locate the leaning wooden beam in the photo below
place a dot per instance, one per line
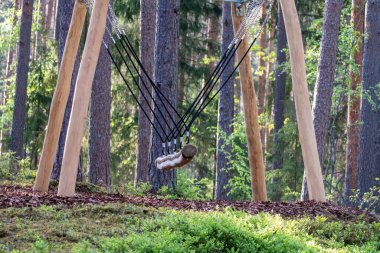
(81, 99)
(60, 97)
(178, 159)
(255, 152)
(303, 108)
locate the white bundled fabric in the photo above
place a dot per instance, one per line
(177, 160)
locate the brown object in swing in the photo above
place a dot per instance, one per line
(177, 160)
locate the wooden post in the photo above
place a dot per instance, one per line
(60, 97)
(81, 99)
(255, 152)
(303, 108)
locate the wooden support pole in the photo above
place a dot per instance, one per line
(60, 97)
(81, 99)
(177, 160)
(255, 152)
(303, 108)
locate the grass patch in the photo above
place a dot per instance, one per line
(128, 228)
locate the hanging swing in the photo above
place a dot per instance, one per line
(176, 150)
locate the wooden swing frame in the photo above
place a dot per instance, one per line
(83, 90)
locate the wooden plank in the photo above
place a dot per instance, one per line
(81, 99)
(303, 108)
(60, 97)
(178, 159)
(255, 152)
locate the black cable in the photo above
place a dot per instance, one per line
(221, 66)
(129, 45)
(215, 80)
(134, 96)
(142, 93)
(146, 88)
(222, 86)
(205, 87)
(157, 90)
(198, 105)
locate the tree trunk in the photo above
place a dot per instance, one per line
(166, 76)
(99, 161)
(39, 44)
(268, 88)
(225, 111)
(49, 15)
(213, 32)
(262, 70)
(353, 126)
(181, 89)
(369, 156)
(4, 98)
(17, 135)
(65, 10)
(8, 74)
(325, 78)
(57, 20)
(148, 34)
(279, 92)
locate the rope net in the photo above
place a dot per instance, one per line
(176, 128)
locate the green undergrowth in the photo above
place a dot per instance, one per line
(128, 228)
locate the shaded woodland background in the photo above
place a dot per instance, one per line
(342, 42)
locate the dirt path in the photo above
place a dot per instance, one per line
(16, 196)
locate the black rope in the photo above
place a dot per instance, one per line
(157, 90)
(126, 40)
(212, 83)
(146, 88)
(205, 87)
(222, 86)
(134, 96)
(199, 104)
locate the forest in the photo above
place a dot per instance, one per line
(189, 126)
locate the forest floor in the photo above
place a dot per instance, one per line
(21, 196)
(102, 222)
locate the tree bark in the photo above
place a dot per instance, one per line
(39, 44)
(279, 93)
(49, 15)
(213, 33)
(57, 19)
(148, 34)
(353, 126)
(166, 76)
(99, 160)
(65, 10)
(268, 88)
(17, 135)
(325, 78)
(262, 65)
(8, 74)
(181, 89)
(225, 111)
(369, 156)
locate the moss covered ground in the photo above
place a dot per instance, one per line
(129, 228)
